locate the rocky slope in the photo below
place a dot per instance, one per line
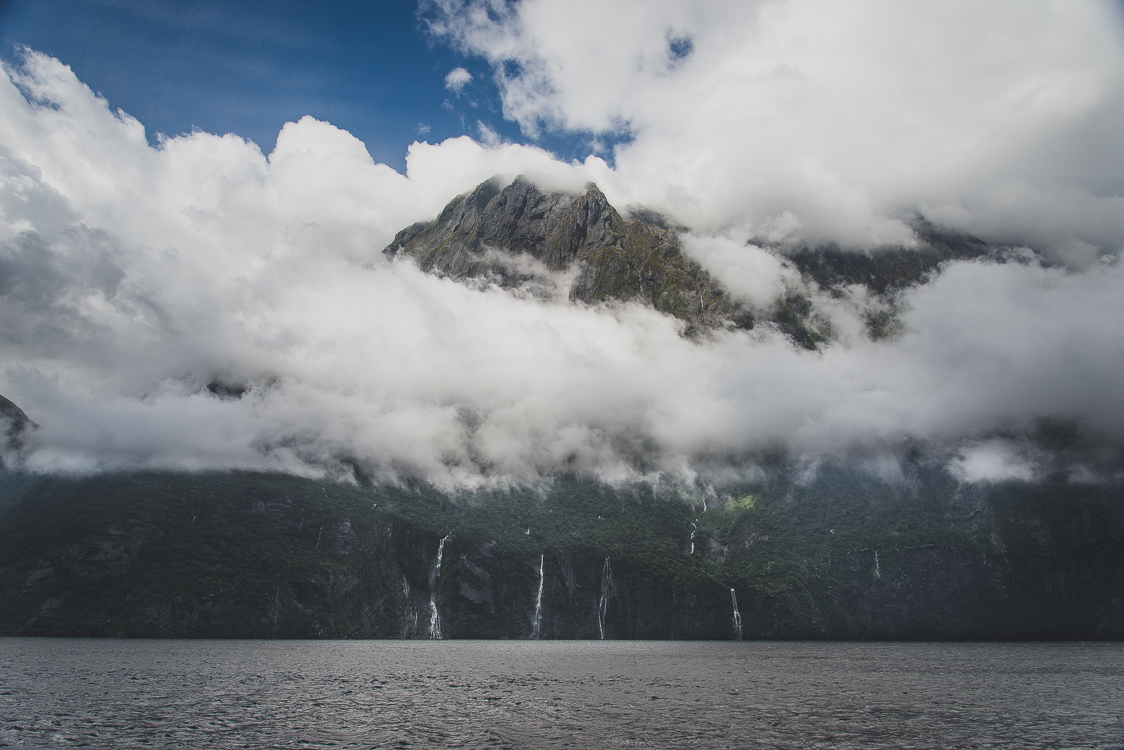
(525, 239)
(518, 235)
(14, 425)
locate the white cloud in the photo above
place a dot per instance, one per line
(993, 461)
(457, 79)
(131, 276)
(749, 272)
(837, 118)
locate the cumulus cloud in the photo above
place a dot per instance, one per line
(457, 79)
(133, 277)
(815, 121)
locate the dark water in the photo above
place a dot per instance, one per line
(395, 694)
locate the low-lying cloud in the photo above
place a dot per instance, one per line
(132, 278)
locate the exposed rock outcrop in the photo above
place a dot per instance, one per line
(550, 243)
(517, 235)
(14, 425)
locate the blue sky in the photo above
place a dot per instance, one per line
(248, 67)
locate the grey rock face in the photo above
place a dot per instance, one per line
(516, 235)
(14, 425)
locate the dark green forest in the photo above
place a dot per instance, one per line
(840, 554)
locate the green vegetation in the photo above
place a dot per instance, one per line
(835, 553)
(794, 316)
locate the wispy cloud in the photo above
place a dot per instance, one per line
(457, 79)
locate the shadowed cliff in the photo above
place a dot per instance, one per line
(843, 555)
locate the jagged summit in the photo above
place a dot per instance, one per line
(515, 236)
(480, 233)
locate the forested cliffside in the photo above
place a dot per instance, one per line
(841, 555)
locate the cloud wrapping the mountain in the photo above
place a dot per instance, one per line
(813, 120)
(131, 277)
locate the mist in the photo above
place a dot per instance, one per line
(201, 305)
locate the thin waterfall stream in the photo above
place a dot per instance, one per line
(603, 605)
(536, 626)
(737, 615)
(434, 574)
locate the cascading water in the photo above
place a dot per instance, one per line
(411, 608)
(737, 615)
(536, 626)
(603, 605)
(691, 539)
(877, 570)
(434, 574)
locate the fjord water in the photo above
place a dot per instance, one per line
(558, 694)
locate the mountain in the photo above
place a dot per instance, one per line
(518, 236)
(842, 555)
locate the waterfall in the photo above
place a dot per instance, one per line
(877, 570)
(737, 615)
(434, 574)
(692, 539)
(603, 605)
(411, 610)
(536, 627)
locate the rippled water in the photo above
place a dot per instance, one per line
(494, 694)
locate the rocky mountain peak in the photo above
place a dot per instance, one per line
(478, 235)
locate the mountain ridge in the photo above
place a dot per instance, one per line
(489, 233)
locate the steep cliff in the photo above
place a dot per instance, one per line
(843, 555)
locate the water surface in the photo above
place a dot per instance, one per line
(558, 694)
